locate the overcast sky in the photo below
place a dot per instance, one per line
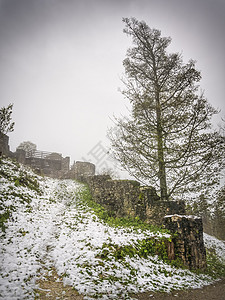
(61, 63)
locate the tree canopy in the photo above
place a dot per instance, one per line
(27, 146)
(167, 141)
(6, 124)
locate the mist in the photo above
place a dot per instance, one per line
(61, 64)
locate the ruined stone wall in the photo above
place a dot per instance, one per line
(48, 167)
(4, 145)
(124, 198)
(119, 197)
(81, 170)
(20, 155)
(65, 164)
(188, 243)
(52, 165)
(127, 198)
(214, 225)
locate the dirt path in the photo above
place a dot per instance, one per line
(52, 288)
(215, 291)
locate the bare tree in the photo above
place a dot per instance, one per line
(167, 141)
(27, 146)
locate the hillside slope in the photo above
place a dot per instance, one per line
(45, 224)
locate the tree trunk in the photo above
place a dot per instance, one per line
(162, 169)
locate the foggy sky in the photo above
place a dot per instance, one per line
(61, 63)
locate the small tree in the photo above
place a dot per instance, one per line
(27, 146)
(6, 125)
(167, 141)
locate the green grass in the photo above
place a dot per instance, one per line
(215, 268)
(109, 217)
(23, 179)
(146, 247)
(17, 178)
(142, 248)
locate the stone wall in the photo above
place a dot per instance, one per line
(65, 167)
(4, 145)
(188, 243)
(214, 225)
(127, 198)
(123, 198)
(48, 167)
(81, 170)
(20, 155)
(51, 164)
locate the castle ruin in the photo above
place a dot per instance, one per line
(50, 164)
(124, 198)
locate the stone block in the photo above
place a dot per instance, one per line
(188, 242)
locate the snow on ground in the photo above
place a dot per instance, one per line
(50, 226)
(217, 245)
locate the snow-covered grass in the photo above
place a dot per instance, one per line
(45, 223)
(216, 245)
